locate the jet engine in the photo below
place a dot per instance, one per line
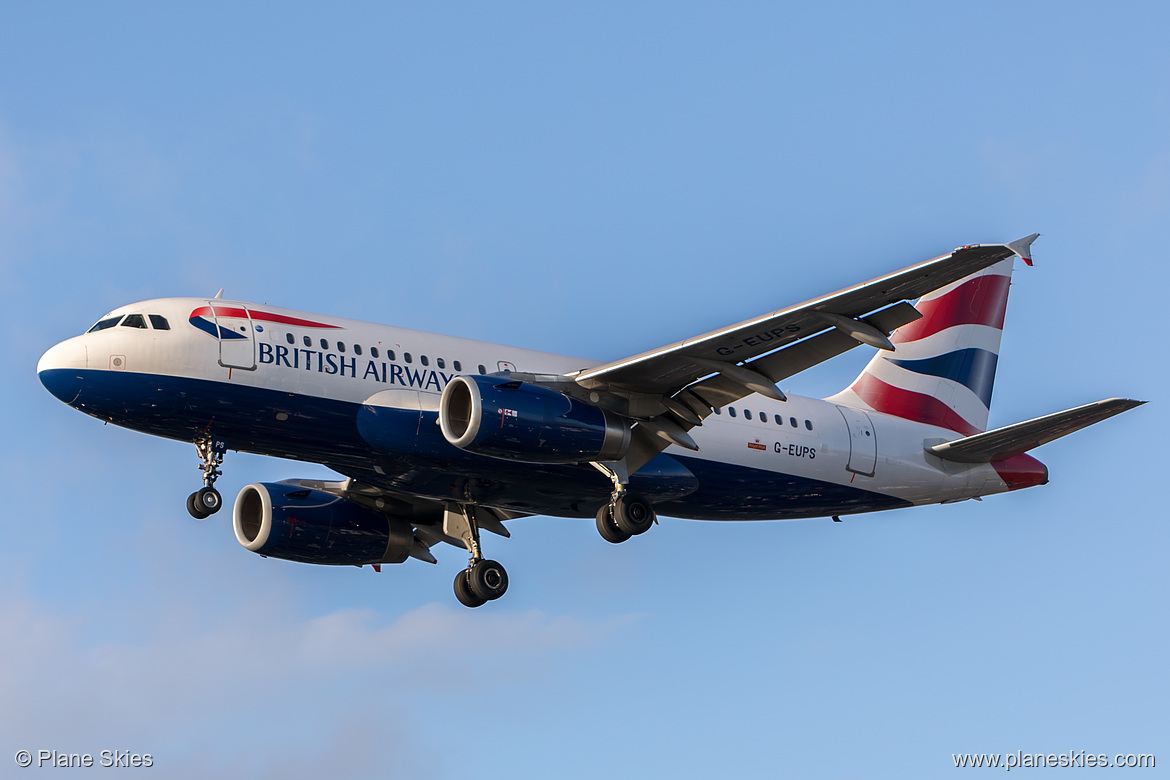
(296, 524)
(514, 420)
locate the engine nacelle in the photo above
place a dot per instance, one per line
(311, 526)
(517, 421)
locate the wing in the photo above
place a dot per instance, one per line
(669, 369)
(665, 390)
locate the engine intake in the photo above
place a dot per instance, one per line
(518, 421)
(285, 521)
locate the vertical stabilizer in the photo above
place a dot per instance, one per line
(943, 366)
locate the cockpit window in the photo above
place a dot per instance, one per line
(109, 322)
(134, 321)
(159, 322)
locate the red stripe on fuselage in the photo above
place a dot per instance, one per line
(262, 316)
(908, 405)
(980, 301)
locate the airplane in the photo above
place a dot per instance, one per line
(440, 437)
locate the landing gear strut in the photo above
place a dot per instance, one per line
(483, 580)
(627, 513)
(207, 501)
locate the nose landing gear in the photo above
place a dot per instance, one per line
(207, 501)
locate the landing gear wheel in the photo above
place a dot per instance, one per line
(488, 580)
(606, 527)
(633, 514)
(207, 500)
(193, 508)
(463, 591)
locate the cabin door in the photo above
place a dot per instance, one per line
(237, 336)
(862, 441)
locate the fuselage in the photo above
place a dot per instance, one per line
(362, 398)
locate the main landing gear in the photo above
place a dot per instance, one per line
(627, 513)
(207, 501)
(483, 580)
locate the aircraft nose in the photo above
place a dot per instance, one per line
(60, 369)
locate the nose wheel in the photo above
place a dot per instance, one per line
(207, 501)
(204, 502)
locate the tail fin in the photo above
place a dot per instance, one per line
(943, 366)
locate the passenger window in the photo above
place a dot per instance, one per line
(793, 421)
(324, 344)
(718, 410)
(341, 346)
(439, 362)
(357, 349)
(423, 359)
(808, 424)
(406, 356)
(779, 419)
(373, 352)
(482, 370)
(290, 338)
(159, 322)
(390, 354)
(747, 414)
(457, 366)
(308, 341)
(106, 323)
(134, 321)
(763, 417)
(731, 410)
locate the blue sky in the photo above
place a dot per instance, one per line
(595, 180)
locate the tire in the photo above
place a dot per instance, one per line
(208, 500)
(463, 591)
(605, 526)
(633, 514)
(488, 580)
(193, 508)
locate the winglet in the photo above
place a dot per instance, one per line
(1023, 247)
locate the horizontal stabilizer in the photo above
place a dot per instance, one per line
(1011, 440)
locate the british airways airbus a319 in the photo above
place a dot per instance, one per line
(439, 437)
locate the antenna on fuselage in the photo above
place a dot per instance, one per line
(220, 293)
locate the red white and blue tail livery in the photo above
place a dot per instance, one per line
(943, 367)
(439, 437)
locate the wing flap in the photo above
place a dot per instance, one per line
(1012, 440)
